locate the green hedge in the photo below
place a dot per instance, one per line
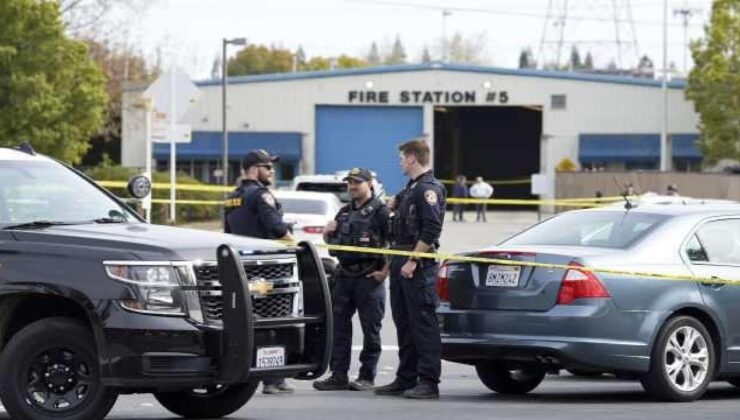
(160, 214)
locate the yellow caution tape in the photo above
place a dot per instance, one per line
(166, 186)
(501, 202)
(504, 202)
(464, 258)
(493, 181)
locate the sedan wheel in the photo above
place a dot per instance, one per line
(682, 362)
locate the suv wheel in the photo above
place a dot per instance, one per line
(49, 369)
(504, 379)
(682, 361)
(210, 402)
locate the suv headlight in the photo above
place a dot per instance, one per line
(161, 288)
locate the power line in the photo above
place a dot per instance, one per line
(504, 12)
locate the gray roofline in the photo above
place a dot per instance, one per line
(437, 66)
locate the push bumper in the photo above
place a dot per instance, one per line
(152, 352)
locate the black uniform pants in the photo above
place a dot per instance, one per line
(413, 304)
(367, 297)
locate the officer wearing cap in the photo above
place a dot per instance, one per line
(416, 226)
(251, 210)
(358, 282)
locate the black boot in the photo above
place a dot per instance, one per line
(336, 382)
(394, 388)
(361, 384)
(423, 391)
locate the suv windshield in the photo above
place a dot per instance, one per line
(50, 193)
(595, 229)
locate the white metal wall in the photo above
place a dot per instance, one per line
(288, 105)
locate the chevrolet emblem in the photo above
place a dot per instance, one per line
(260, 287)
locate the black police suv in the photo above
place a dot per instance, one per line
(95, 303)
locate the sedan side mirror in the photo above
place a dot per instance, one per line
(139, 186)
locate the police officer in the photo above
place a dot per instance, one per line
(251, 210)
(358, 282)
(416, 226)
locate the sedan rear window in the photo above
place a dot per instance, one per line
(293, 205)
(596, 229)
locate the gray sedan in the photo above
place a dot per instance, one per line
(516, 322)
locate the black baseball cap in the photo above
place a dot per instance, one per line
(257, 156)
(359, 174)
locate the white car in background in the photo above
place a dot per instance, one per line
(308, 213)
(333, 183)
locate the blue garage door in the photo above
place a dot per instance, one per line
(349, 136)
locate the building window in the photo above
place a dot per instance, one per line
(558, 102)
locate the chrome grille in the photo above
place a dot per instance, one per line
(273, 305)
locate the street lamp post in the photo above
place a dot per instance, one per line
(224, 75)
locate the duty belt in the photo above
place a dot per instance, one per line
(357, 269)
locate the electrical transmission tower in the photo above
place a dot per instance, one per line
(604, 28)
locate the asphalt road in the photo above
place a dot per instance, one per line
(463, 396)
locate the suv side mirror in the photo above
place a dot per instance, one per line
(139, 186)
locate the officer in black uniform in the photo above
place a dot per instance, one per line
(359, 282)
(251, 210)
(416, 226)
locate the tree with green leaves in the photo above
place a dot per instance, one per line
(397, 54)
(52, 93)
(526, 59)
(373, 56)
(575, 59)
(260, 59)
(120, 65)
(426, 57)
(714, 83)
(588, 62)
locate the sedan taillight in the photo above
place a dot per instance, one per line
(313, 229)
(580, 284)
(443, 290)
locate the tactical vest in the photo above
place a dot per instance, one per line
(240, 212)
(405, 224)
(354, 228)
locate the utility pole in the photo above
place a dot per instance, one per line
(665, 149)
(686, 14)
(225, 130)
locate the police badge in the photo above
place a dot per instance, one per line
(431, 197)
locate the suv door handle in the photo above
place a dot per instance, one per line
(715, 285)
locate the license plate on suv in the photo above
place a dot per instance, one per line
(503, 276)
(270, 357)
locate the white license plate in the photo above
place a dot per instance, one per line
(503, 276)
(270, 357)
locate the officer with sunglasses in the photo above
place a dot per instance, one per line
(251, 210)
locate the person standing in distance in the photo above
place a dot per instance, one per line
(459, 190)
(481, 190)
(358, 282)
(251, 210)
(416, 226)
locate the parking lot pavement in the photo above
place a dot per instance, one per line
(462, 394)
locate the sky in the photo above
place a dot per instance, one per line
(189, 32)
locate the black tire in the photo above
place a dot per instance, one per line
(657, 381)
(504, 379)
(211, 402)
(65, 350)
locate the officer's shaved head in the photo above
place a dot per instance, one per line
(419, 148)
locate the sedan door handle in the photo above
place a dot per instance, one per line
(715, 284)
